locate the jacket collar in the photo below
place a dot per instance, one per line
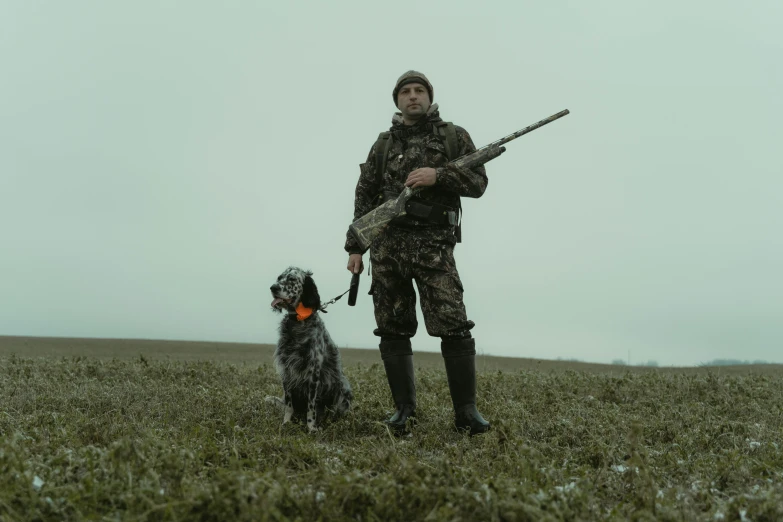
(432, 116)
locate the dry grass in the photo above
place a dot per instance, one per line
(251, 353)
(143, 438)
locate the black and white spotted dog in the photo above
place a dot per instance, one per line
(306, 358)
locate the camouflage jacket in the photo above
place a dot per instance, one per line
(417, 146)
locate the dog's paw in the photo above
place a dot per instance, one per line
(277, 401)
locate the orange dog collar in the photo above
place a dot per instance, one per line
(302, 312)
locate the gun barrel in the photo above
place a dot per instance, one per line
(530, 128)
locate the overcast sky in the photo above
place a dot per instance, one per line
(162, 162)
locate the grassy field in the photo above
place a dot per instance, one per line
(248, 353)
(129, 430)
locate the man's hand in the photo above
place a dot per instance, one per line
(355, 265)
(421, 178)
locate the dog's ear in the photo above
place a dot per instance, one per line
(310, 297)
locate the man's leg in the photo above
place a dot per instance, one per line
(397, 358)
(444, 313)
(459, 355)
(395, 315)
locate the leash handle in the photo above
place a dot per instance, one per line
(353, 291)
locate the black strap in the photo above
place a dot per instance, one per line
(448, 134)
(382, 146)
(323, 306)
(431, 212)
(446, 131)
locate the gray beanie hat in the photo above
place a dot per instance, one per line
(412, 77)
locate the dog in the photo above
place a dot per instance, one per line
(306, 358)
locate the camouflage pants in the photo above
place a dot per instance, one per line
(401, 256)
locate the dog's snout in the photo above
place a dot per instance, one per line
(275, 287)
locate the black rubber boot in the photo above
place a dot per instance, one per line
(398, 362)
(460, 359)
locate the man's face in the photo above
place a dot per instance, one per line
(413, 100)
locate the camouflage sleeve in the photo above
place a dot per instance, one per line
(367, 190)
(464, 182)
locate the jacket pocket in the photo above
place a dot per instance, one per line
(435, 150)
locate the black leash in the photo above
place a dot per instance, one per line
(324, 305)
(354, 289)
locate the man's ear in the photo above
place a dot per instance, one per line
(310, 297)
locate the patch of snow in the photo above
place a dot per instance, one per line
(568, 487)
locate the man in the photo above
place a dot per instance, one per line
(420, 248)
